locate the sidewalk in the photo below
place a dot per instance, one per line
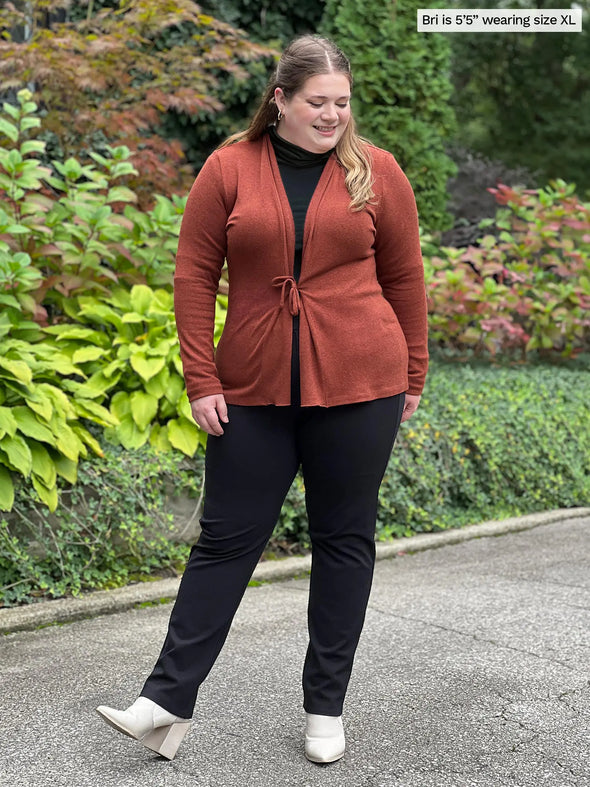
(473, 671)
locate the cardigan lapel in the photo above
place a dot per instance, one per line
(314, 206)
(285, 207)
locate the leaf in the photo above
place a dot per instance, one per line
(184, 407)
(130, 435)
(183, 435)
(8, 129)
(157, 386)
(162, 303)
(174, 389)
(85, 354)
(97, 385)
(178, 364)
(73, 332)
(32, 146)
(41, 404)
(6, 490)
(146, 368)
(159, 438)
(17, 369)
(114, 366)
(43, 464)
(9, 300)
(161, 347)
(61, 401)
(86, 408)
(47, 496)
(133, 317)
(144, 407)
(8, 421)
(66, 468)
(66, 440)
(141, 298)
(18, 453)
(94, 310)
(86, 439)
(120, 405)
(29, 425)
(121, 194)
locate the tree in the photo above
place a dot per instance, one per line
(401, 91)
(275, 21)
(524, 98)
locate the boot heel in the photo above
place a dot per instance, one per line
(166, 740)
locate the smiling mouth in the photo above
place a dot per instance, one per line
(325, 128)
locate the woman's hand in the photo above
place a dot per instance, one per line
(208, 411)
(410, 407)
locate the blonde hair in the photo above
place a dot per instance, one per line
(305, 57)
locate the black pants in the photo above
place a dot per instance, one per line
(343, 452)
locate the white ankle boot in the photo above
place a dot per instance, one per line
(324, 738)
(147, 722)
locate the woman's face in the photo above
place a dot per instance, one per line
(315, 117)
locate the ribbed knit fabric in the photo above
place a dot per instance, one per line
(360, 296)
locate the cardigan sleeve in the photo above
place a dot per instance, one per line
(400, 269)
(199, 260)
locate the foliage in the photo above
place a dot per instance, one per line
(269, 20)
(118, 366)
(70, 228)
(202, 132)
(109, 356)
(527, 289)
(401, 92)
(470, 199)
(42, 434)
(486, 442)
(525, 99)
(274, 23)
(110, 78)
(111, 528)
(128, 346)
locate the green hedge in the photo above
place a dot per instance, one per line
(111, 528)
(487, 442)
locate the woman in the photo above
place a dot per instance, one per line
(324, 352)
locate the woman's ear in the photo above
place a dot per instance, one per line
(280, 99)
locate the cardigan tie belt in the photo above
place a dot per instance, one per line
(289, 292)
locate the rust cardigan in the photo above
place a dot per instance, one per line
(360, 296)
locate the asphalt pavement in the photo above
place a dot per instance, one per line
(473, 671)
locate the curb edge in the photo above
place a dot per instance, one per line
(105, 602)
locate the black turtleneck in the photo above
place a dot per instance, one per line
(300, 172)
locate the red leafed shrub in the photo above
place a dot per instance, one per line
(111, 78)
(525, 288)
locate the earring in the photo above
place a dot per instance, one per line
(280, 116)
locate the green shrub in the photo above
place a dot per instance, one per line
(486, 442)
(111, 355)
(42, 435)
(82, 234)
(109, 529)
(127, 345)
(118, 366)
(401, 92)
(268, 20)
